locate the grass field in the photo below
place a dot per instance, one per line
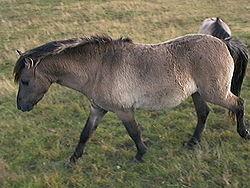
(35, 145)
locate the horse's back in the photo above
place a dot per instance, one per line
(163, 75)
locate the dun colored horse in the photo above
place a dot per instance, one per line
(121, 76)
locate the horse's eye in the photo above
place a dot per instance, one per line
(25, 82)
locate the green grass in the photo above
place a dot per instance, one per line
(35, 145)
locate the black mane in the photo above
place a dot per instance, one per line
(55, 47)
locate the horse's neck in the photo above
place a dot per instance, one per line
(74, 73)
(75, 82)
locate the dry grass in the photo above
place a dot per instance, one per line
(35, 145)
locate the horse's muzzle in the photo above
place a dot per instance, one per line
(25, 107)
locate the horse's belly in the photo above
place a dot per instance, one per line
(165, 98)
(158, 103)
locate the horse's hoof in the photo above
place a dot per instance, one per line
(137, 160)
(69, 164)
(192, 143)
(244, 133)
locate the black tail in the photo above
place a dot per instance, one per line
(239, 52)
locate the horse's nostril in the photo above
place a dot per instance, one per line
(26, 107)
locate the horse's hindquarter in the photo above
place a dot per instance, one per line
(212, 68)
(192, 63)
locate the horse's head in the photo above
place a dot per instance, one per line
(215, 27)
(32, 83)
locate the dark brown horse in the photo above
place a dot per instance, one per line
(121, 76)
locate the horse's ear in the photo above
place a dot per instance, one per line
(29, 63)
(217, 19)
(19, 52)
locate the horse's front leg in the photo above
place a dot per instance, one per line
(134, 132)
(95, 116)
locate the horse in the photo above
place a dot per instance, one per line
(215, 27)
(120, 76)
(218, 28)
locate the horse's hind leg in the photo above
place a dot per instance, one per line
(241, 127)
(95, 116)
(236, 105)
(134, 132)
(202, 111)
